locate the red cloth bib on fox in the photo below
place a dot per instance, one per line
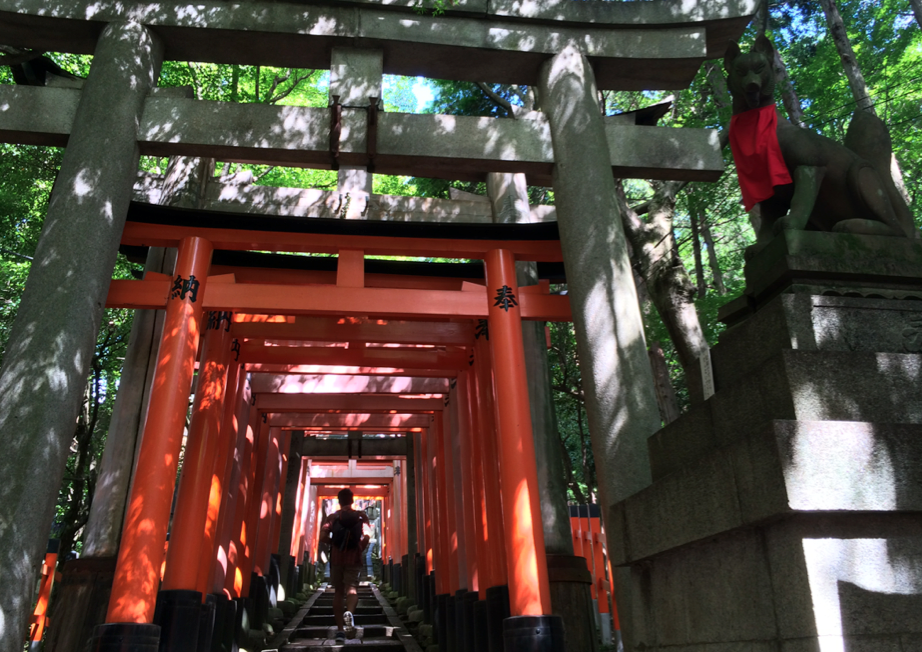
(759, 164)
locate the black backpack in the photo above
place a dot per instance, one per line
(346, 531)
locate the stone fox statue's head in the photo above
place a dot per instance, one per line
(750, 76)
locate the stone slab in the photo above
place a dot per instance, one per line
(832, 264)
(452, 147)
(628, 41)
(784, 468)
(794, 384)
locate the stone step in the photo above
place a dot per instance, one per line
(325, 610)
(315, 632)
(332, 646)
(360, 620)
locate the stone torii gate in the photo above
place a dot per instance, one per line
(119, 114)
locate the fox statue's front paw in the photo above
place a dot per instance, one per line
(790, 222)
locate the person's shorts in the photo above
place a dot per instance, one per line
(345, 576)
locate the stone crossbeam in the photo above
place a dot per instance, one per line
(450, 147)
(635, 46)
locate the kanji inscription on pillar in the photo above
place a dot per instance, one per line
(183, 286)
(505, 298)
(218, 317)
(482, 329)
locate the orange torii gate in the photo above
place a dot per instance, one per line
(292, 322)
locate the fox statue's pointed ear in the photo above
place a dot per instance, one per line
(733, 51)
(764, 46)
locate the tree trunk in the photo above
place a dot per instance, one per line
(856, 79)
(847, 54)
(696, 248)
(665, 394)
(917, 10)
(788, 94)
(666, 278)
(712, 258)
(718, 85)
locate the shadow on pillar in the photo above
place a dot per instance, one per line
(80, 603)
(571, 599)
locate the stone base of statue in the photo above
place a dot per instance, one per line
(786, 509)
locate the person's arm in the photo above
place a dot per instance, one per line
(366, 539)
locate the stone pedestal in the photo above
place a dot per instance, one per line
(785, 510)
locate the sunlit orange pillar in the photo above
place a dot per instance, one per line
(40, 613)
(426, 499)
(221, 472)
(529, 592)
(235, 411)
(187, 541)
(268, 500)
(494, 567)
(440, 517)
(276, 532)
(478, 504)
(137, 573)
(236, 579)
(254, 496)
(451, 513)
(472, 534)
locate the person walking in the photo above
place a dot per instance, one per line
(344, 531)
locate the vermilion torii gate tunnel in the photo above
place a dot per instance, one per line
(496, 308)
(566, 51)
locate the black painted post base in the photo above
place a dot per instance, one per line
(179, 614)
(125, 637)
(225, 615)
(481, 636)
(206, 622)
(441, 620)
(533, 634)
(469, 627)
(460, 632)
(259, 594)
(448, 642)
(430, 583)
(497, 612)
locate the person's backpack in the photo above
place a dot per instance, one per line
(346, 532)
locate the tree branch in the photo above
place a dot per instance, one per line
(499, 101)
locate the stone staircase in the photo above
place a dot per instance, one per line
(377, 627)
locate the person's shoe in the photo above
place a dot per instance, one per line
(340, 636)
(349, 624)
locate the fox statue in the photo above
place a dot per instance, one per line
(825, 186)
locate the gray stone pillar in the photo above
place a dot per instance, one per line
(355, 76)
(54, 335)
(617, 378)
